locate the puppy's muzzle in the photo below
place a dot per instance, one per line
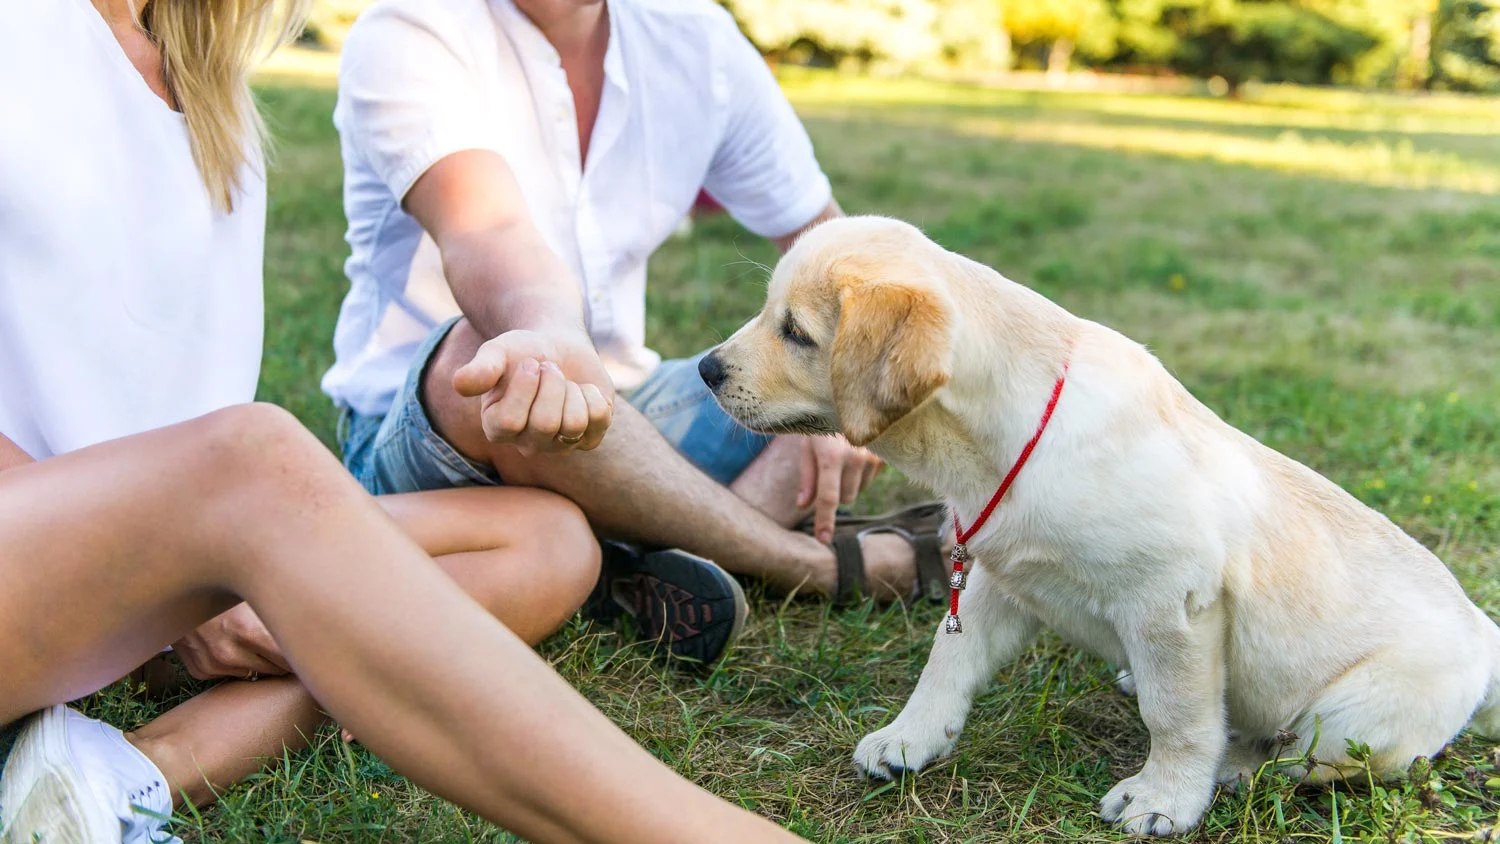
(712, 371)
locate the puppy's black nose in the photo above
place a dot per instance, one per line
(712, 371)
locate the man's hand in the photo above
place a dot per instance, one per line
(233, 644)
(542, 393)
(833, 473)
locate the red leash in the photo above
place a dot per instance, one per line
(960, 555)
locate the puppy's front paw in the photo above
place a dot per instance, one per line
(902, 747)
(1143, 807)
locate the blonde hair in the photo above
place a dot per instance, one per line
(208, 48)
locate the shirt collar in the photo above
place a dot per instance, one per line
(614, 60)
(528, 38)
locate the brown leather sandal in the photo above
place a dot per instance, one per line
(921, 525)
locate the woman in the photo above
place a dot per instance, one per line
(131, 215)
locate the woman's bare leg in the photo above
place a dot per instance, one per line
(110, 553)
(527, 556)
(214, 740)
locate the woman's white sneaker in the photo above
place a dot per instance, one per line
(74, 780)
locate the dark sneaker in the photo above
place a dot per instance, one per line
(677, 599)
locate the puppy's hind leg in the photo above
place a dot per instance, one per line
(1400, 704)
(1243, 758)
(1486, 721)
(995, 632)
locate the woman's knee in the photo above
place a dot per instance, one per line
(532, 560)
(252, 433)
(262, 453)
(559, 539)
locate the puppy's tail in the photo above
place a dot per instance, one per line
(1486, 720)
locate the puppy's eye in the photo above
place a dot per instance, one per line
(793, 332)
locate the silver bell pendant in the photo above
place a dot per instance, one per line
(951, 624)
(960, 574)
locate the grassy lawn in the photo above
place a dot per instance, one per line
(1323, 269)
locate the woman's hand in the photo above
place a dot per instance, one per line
(234, 644)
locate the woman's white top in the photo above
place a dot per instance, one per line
(127, 301)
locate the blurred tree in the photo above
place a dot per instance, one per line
(840, 31)
(1058, 26)
(1273, 42)
(1465, 52)
(1418, 70)
(973, 34)
(900, 33)
(329, 21)
(1440, 44)
(1309, 42)
(1392, 26)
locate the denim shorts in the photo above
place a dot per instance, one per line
(8, 734)
(400, 452)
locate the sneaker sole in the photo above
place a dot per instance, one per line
(685, 602)
(43, 797)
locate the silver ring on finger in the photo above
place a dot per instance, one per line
(569, 440)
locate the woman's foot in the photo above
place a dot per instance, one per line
(71, 778)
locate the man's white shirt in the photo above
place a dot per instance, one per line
(687, 103)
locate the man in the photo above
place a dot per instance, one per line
(515, 163)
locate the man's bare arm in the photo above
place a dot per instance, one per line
(11, 454)
(503, 274)
(830, 211)
(515, 290)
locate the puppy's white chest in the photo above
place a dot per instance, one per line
(1074, 607)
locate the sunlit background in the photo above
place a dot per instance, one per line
(1385, 44)
(1296, 205)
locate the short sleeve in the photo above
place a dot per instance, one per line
(764, 171)
(407, 92)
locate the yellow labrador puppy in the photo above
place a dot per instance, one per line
(1245, 594)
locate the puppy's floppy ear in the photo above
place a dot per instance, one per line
(893, 349)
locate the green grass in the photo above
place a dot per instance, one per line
(1321, 268)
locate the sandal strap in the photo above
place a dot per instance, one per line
(851, 568)
(914, 517)
(932, 574)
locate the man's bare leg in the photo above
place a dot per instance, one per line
(246, 504)
(768, 484)
(635, 486)
(528, 557)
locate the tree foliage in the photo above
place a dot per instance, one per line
(1451, 44)
(1466, 45)
(1240, 40)
(905, 33)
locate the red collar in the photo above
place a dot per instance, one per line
(960, 555)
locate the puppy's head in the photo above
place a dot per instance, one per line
(856, 334)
